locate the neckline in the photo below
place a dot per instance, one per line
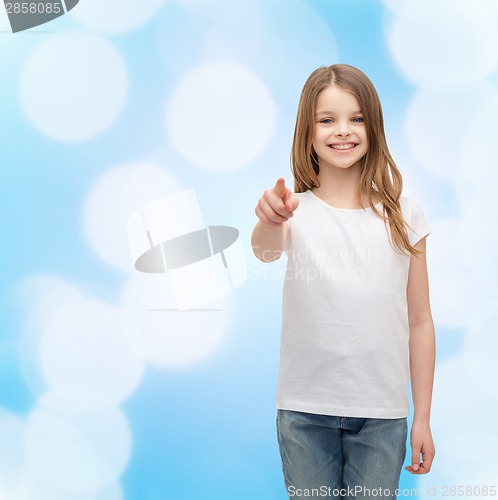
(377, 205)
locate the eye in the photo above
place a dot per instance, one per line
(326, 120)
(358, 119)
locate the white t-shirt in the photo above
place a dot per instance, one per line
(344, 345)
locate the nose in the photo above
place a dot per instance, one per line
(343, 129)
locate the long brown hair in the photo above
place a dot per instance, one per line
(380, 177)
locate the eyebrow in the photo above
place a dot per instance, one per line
(332, 112)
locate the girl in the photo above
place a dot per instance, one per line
(356, 320)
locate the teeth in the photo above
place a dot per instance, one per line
(342, 146)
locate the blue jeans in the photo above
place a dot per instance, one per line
(340, 457)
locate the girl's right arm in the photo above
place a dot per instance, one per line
(274, 208)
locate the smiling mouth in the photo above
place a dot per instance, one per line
(343, 147)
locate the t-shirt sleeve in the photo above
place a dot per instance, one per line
(418, 225)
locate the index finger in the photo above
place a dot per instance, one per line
(280, 188)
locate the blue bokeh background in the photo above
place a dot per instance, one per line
(203, 426)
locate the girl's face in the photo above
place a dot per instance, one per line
(340, 139)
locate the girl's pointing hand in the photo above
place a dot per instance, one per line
(277, 204)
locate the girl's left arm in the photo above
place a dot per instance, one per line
(422, 361)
